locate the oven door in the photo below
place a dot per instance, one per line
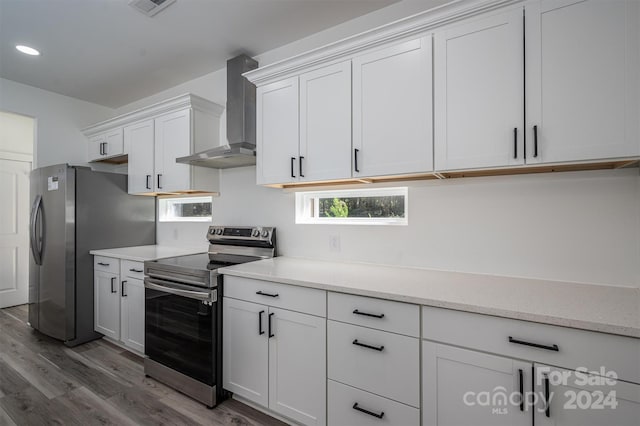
(180, 327)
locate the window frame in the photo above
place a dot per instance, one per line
(163, 217)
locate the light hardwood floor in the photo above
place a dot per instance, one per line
(42, 382)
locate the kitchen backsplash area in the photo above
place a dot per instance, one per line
(577, 226)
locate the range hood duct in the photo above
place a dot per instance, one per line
(241, 122)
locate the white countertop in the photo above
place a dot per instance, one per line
(606, 309)
(144, 253)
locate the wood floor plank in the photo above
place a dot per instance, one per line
(142, 409)
(5, 420)
(30, 407)
(10, 380)
(89, 409)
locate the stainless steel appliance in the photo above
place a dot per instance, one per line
(183, 313)
(76, 210)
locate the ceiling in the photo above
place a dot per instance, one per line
(106, 52)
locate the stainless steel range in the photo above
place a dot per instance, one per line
(183, 313)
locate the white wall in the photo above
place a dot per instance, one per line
(16, 134)
(58, 121)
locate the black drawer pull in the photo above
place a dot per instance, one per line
(113, 282)
(521, 380)
(135, 270)
(357, 312)
(547, 397)
(122, 293)
(103, 264)
(270, 333)
(260, 330)
(534, 345)
(371, 413)
(267, 294)
(364, 345)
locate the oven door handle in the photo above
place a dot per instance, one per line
(179, 280)
(198, 295)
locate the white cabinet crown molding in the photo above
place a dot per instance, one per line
(400, 29)
(186, 100)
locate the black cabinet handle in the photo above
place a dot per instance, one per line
(293, 159)
(103, 264)
(135, 270)
(364, 345)
(355, 160)
(261, 293)
(260, 330)
(371, 413)
(357, 312)
(520, 376)
(148, 182)
(515, 142)
(300, 166)
(270, 333)
(534, 345)
(547, 409)
(106, 145)
(122, 293)
(159, 186)
(113, 289)
(101, 148)
(535, 141)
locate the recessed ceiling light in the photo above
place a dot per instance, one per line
(27, 50)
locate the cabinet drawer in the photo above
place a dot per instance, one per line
(301, 299)
(106, 264)
(575, 348)
(133, 269)
(392, 372)
(381, 411)
(397, 317)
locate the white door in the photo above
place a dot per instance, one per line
(132, 313)
(139, 140)
(468, 388)
(114, 142)
(392, 104)
(172, 140)
(14, 232)
(325, 123)
(245, 350)
(297, 366)
(583, 75)
(584, 400)
(479, 93)
(96, 147)
(107, 304)
(277, 132)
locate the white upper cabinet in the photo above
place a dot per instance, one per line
(392, 110)
(582, 79)
(172, 140)
(277, 132)
(106, 145)
(140, 142)
(325, 123)
(479, 93)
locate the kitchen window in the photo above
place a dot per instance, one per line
(378, 206)
(185, 209)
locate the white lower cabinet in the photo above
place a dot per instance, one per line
(132, 313)
(275, 358)
(468, 388)
(106, 304)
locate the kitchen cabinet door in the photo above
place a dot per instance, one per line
(245, 350)
(132, 313)
(479, 93)
(392, 110)
(172, 140)
(114, 143)
(96, 147)
(462, 387)
(107, 304)
(140, 142)
(325, 123)
(297, 366)
(277, 132)
(583, 76)
(580, 400)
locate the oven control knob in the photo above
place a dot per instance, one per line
(255, 233)
(212, 231)
(265, 233)
(219, 231)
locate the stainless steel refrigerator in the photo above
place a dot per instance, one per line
(76, 210)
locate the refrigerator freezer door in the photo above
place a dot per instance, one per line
(34, 258)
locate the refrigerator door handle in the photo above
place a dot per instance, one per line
(35, 249)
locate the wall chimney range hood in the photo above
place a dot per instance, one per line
(241, 122)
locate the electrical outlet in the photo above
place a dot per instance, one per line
(334, 243)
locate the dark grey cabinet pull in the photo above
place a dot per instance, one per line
(270, 333)
(122, 293)
(515, 142)
(534, 345)
(103, 264)
(105, 148)
(364, 345)
(547, 409)
(293, 159)
(135, 270)
(101, 148)
(113, 281)
(260, 330)
(300, 166)
(521, 378)
(535, 141)
(371, 413)
(159, 186)
(355, 160)
(357, 312)
(261, 293)
(148, 182)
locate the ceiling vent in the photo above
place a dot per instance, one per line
(150, 7)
